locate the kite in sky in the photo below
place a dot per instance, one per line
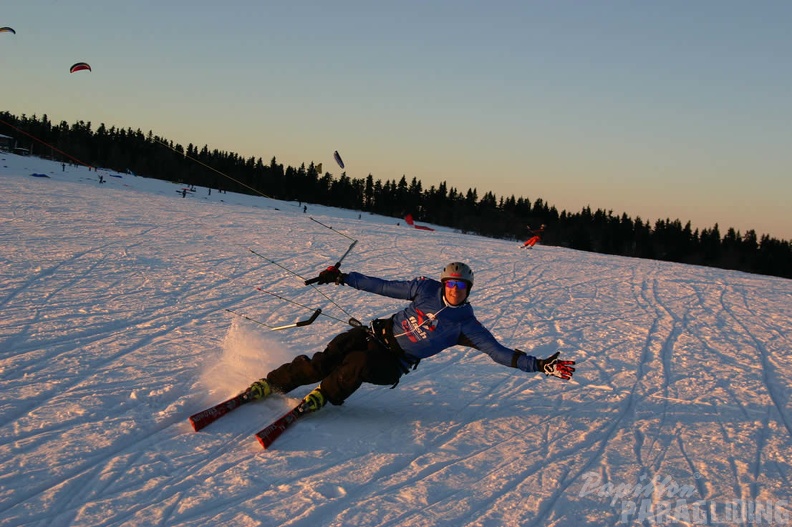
(80, 66)
(7, 30)
(338, 159)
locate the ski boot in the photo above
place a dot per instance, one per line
(313, 401)
(260, 389)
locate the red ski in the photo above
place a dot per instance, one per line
(269, 434)
(210, 415)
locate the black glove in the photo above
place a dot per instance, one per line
(332, 275)
(557, 368)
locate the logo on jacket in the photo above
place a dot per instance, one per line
(417, 325)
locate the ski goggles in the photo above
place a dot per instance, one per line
(458, 284)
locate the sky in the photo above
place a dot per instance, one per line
(660, 110)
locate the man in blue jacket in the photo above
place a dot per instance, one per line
(438, 317)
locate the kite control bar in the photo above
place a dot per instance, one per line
(337, 265)
(301, 323)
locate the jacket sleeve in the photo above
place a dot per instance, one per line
(401, 289)
(476, 336)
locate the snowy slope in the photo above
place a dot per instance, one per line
(113, 330)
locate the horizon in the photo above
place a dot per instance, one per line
(650, 221)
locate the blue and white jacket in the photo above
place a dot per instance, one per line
(428, 325)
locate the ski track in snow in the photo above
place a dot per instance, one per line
(114, 331)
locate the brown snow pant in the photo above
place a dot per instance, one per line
(349, 360)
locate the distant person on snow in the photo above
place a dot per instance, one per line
(438, 317)
(537, 236)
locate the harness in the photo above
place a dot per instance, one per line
(381, 330)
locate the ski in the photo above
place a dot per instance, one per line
(210, 415)
(268, 435)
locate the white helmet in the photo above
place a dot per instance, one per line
(457, 271)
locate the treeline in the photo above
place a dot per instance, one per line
(488, 215)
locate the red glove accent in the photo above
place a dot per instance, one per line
(330, 275)
(557, 368)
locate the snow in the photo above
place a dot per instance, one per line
(114, 330)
